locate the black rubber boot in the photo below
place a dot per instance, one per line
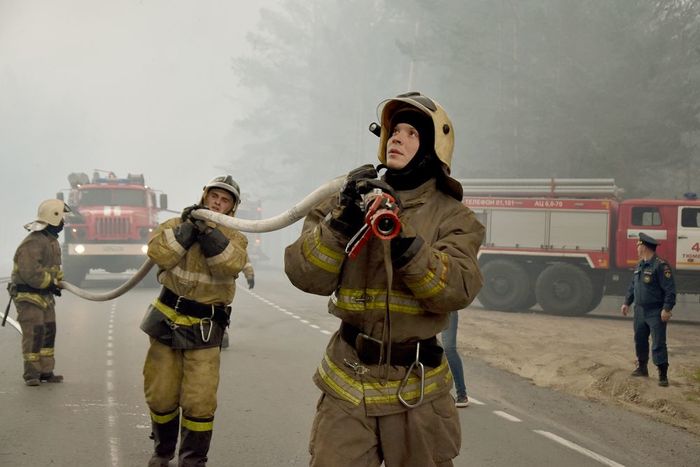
(164, 436)
(194, 446)
(663, 374)
(31, 375)
(51, 378)
(641, 369)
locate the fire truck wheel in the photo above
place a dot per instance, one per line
(506, 286)
(564, 289)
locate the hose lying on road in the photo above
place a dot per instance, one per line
(278, 222)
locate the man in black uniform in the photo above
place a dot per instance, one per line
(653, 291)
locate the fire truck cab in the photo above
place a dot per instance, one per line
(111, 222)
(564, 243)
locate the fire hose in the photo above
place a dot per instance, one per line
(381, 220)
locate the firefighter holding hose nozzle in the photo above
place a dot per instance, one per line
(396, 255)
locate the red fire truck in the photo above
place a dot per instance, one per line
(564, 243)
(110, 224)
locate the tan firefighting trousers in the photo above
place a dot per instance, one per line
(342, 435)
(182, 378)
(38, 338)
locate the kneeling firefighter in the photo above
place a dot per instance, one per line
(35, 273)
(384, 377)
(198, 264)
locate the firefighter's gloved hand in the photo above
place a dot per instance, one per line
(54, 289)
(187, 212)
(348, 217)
(251, 282)
(204, 227)
(186, 234)
(212, 242)
(405, 245)
(366, 186)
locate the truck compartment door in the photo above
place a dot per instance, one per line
(688, 238)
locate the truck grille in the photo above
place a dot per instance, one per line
(112, 227)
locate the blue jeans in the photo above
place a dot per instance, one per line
(449, 342)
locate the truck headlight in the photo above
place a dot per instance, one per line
(80, 249)
(144, 249)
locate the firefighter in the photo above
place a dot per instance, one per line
(653, 292)
(249, 274)
(384, 379)
(35, 275)
(198, 264)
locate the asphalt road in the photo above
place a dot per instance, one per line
(97, 417)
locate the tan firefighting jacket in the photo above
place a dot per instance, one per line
(442, 276)
(37, 263)
(188, 273)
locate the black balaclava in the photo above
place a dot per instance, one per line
(424, 164)
(54, 229)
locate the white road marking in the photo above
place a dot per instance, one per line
(112, 412)
(507, 416)
(475, 401)
(586, 452)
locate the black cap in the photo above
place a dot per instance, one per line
(648, 240)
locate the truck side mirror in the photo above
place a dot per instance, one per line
(163, 201)
(59, 195)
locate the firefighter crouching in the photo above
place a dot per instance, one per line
(198, 264)
(35, 273)
(384, 378)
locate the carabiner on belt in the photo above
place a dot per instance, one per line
(203, 321)
(421, 372)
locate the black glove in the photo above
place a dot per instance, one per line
(349, 193)
(187, 212)
(251, 282)
(54, 289)
(405, 245)
(186, 234)
(212, 243)
(348, 217)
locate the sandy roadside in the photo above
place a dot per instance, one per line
(589, 358)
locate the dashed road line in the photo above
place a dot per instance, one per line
(111, 406)
(507, 416)
(587, 452)
(475, 401)
(288, 313)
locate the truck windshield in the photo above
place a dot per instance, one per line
(101, 197)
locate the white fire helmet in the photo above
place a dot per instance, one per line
(227, 183)
(444, 141)
(50, 212)
(444, 132)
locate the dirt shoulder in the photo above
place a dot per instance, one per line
(590, 358)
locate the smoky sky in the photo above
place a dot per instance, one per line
(129, 86)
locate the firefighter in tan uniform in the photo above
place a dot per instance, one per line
(35, 274)
(385, 381)
(198, 264)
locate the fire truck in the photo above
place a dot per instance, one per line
(564, 243)
(110, 224)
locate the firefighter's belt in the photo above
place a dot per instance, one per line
(218, 313)
(24, 288)
(402, 354)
